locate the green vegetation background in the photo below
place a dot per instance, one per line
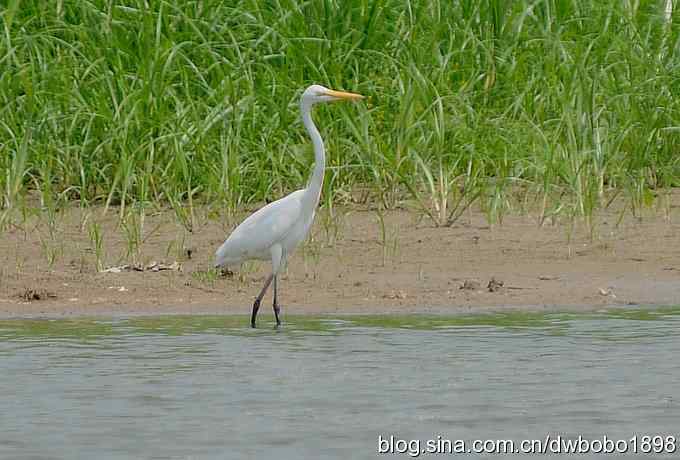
(564, 103)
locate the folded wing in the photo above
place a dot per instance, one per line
(254, 237)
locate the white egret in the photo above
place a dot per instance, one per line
(274, 231)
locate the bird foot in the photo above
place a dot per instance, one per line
(277, 315)
(253, 316)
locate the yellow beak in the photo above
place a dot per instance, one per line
(344, 95)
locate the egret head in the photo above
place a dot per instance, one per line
(317, 93)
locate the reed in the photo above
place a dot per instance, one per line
(181, 103)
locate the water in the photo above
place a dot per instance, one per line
(209, 387)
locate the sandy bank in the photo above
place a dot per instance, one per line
(348, 266)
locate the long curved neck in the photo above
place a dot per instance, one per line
(313, 191)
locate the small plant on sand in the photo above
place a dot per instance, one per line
(51, 249)
(311, 256)
(51, 242)
(330, 222)
(132, 229)
(94, 231)
(389, 241)
(207, 276)
(447, 195)
(177, 248)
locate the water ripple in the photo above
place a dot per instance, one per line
(209, 387)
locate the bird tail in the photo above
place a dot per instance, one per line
(222, 258)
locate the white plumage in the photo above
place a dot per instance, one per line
(278, 223)
(274, 231)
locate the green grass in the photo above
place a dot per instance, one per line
(566, 103)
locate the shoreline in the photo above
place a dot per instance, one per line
(354, 263)
(265, 318)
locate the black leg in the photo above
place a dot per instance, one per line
(256, 307)
(277, 308)
(256, 304)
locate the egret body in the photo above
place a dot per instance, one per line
(274, 231)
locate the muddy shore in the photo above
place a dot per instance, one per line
(350, 265)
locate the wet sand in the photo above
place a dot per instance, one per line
(348, 266)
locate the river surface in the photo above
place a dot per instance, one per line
(324, 387)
